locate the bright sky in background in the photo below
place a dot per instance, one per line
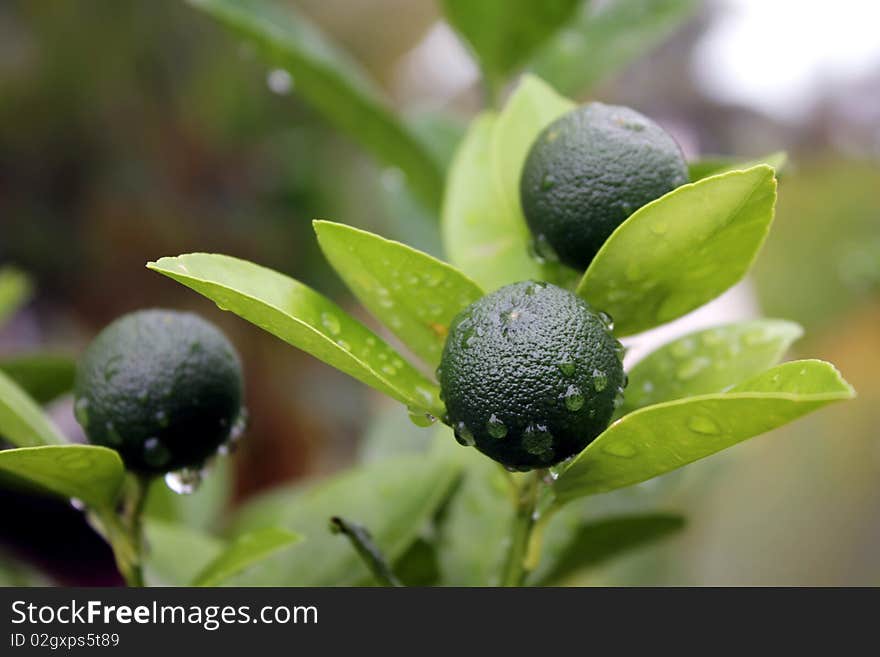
(776, 54)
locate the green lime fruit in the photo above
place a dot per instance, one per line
(588, 171)
(530, 375)
(163, 388)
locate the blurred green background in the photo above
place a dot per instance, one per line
(132, 130)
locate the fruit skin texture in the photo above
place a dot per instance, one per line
(589, 170)
(163, 388)
(530, 375)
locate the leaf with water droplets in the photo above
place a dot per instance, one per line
(412, 293)
(305, 319)
(244, 551)
(88, 473)
(656, 439)
(22, 421)
(394, 498)
(484, 230)
(711, 232)
(334, 84)
(708, 361)
(572, 544)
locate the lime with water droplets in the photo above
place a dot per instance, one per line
(588, 171)
(163, 388)
(529, 375)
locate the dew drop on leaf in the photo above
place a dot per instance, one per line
(704, 425)
(421, 418)
(331, 323)
(620, 449)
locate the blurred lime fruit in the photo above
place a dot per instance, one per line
(588, 171)
(530, 375)
(163, 388)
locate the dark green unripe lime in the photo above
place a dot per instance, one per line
(589, 170)
(163, 388)
(530, 375)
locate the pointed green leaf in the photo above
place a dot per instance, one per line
(708, 361)
(394, 498)
(88, 473)
(484, 231)
(682, 250)
(334, 84)
(476, 522)
(656, 439)
(243, 552)
(175, 553)
(571, 545)
(42, 376)
(412, 293)
(22, 421)
(300, 316)
(603, 38)
(712, 166)
(15, 288)
(503, 33)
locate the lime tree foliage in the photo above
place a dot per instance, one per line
(510, 345)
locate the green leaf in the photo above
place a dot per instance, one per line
(503, 33)
(15, 572)
(42, 376)
(475, 525)
(243, 552)
(412, 293)
(708, 361)
(175, 554)
(22, 421)
(85, 472)
(657, 439)
(604, 38)
(484, 231)
(15, 289)
(571, 545)
(714, 165)
(394, 498)
(334, 84)
(682, 250)
(300, 316)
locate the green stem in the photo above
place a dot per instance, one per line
(124, 530)
(367, 549)
(515, 565)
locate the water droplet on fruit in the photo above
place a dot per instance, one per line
(607, 320)
(161, 418)
(495, 427)
(236, 433)
(704, 425)
(566, 366)
(185, 481)
(574, 398)
(542, 250)
(331, 323)
(600, 380)
(537, 440)
(463, 435)
(421, 418)
(156, 454)
(620, 449)
(548, 182)
(113, 436)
